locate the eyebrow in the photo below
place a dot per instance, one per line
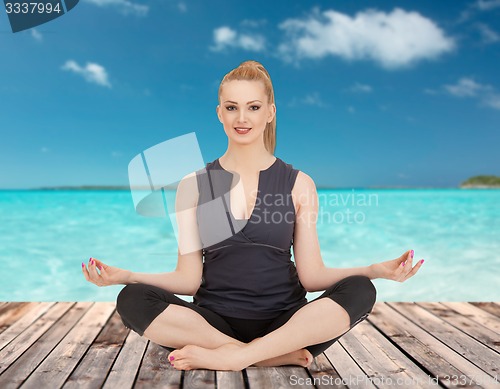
(234, 102)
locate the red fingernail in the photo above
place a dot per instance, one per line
(100, 267)
(83, 265)
(402, 264)
(422, 261)
(412, 254)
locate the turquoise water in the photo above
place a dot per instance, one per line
(45, 235)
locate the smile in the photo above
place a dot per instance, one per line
(242, 130)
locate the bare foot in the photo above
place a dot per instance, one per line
(300, 357)
(192, 357)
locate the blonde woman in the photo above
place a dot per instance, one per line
(249, 306)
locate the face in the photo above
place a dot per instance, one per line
(244, 110)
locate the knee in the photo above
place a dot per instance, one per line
(365, 291)
(129, 299)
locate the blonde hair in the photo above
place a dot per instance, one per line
(255, 71)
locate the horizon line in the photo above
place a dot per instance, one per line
(122, 187)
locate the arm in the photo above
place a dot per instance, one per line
(313, 273)
(186, 278)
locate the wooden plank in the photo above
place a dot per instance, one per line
(435, 356)
(14, 312)
(59, 364)
(26, 363)
(230, 379)
(23, 341)
(491, 307)
(156, 371)
(277, 377)
(476, 314)
(324, 374)
(347, 368)
(470, 327)
(93, 369)
(463, 344)
(124, 370)
(384, 365)
(200, 378)
(23, 322)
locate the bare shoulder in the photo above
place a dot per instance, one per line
(187, 190)
(304, 190)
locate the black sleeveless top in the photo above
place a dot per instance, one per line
(247, 269)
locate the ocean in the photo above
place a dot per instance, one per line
(46, 234)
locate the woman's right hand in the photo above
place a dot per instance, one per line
(109, 275)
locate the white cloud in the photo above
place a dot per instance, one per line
(92, 72)
(360, 88)
(124, 6)
(480, 5)
(488, 35)
(226, 37)
(182, 7)
(37, 35)
(394, 40)
(485, 5)
(492, 101)
(309, 99)
(467, 87)
(253, 23)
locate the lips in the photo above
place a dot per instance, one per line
(242, 130)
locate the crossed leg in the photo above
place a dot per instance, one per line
(205, 340)
(167, 320)
(187, 327)
(326, 317)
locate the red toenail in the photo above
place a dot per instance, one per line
(171, 358)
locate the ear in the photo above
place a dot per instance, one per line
(272, 113)
(217, 110)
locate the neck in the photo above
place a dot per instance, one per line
(250, 157)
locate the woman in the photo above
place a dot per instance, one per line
(250, 308)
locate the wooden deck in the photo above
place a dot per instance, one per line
(85, 345)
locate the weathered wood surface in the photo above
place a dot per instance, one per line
(85, 345)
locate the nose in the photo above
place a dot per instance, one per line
(242, 116)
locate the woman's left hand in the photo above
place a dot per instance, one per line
(399, 269)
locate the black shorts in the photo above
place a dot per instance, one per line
(139, 304)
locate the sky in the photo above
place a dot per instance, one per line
(368, 94)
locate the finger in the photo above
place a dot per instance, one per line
(85, 272)
(104, 275)
(409, 262)
(415, 269)
(97, 262)
(93, 272)
(401, 268)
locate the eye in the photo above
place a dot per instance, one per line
(255, 106)
(229, 107)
